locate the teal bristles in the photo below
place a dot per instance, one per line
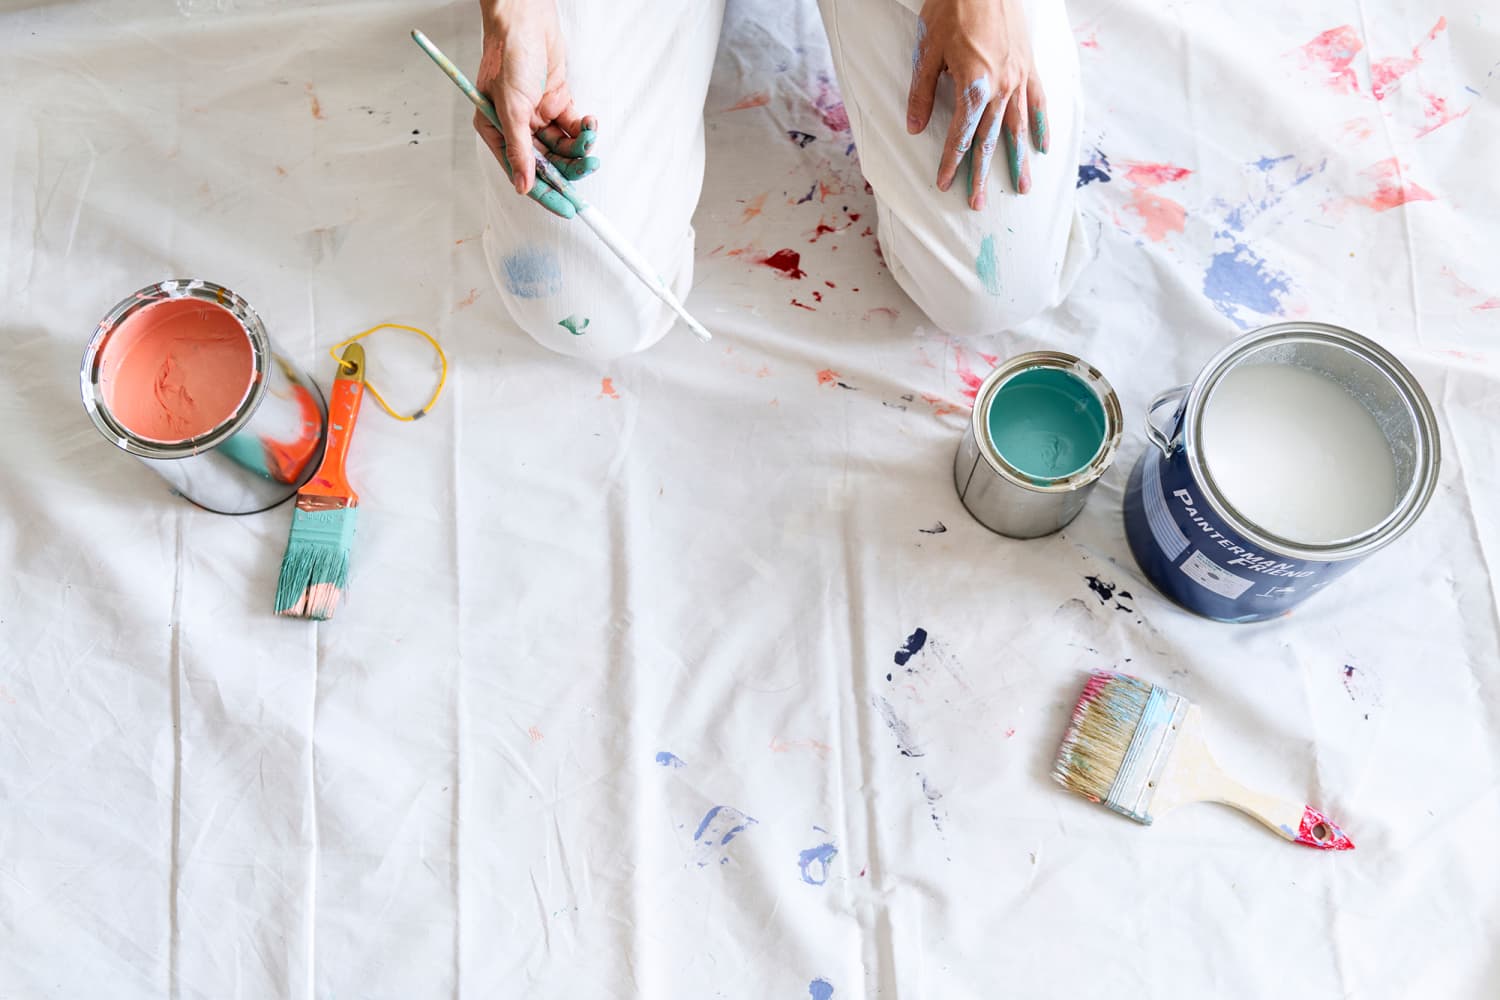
(316, 566)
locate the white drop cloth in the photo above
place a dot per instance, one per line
(591, 605)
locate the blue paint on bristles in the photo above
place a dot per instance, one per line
(316, 567)
(1121, 733)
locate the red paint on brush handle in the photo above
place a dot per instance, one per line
(289, 459)
(1319, 831)
(343, 408)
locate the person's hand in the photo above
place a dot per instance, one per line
(984, 47)
(524, 73)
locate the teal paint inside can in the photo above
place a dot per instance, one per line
(1046, 422)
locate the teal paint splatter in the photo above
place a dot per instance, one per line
(1039, 128)
(574, 325)
(1017, 151)
(985, 266)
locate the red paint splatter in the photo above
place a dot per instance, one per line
(759, 99)
(1152, 174)
(882, 311)
(817, 296)
(317, 108)
(1438, 114)
(1464, 290)
(1091, 42)
(464, 303)
(607, 388)
(1010, 732)
(1333, 838)
(1335, 50)
(788, 262)
(1391, 189)
(753, 208)
(853, 216)
(830, 284)
(803, 305)
(941, 407)
(861, 873)
(971, 379)
(1161, 215)
(1385, 74)
(820, 231)
(828, 377)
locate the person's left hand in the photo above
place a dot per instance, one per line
(983, 45)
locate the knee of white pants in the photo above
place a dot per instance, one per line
(968, 287)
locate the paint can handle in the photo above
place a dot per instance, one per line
(1165, 442)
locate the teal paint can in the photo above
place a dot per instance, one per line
(1046, 425)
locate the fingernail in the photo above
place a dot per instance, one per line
(913, 124)
(1039, 128)
(979, 202)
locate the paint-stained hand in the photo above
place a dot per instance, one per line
(523, 70)
(984, 47)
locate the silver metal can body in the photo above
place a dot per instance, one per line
(1003, 497)
(256, 458)
(1208, 557)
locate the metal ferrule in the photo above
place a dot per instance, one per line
(1150, 748)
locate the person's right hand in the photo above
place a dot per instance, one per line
(524, 73)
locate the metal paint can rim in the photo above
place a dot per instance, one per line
(1425, 474)
(1084, 372)
(177, 288)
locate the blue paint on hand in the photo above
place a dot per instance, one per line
(666, 759)
(813, 863)
(1239, 280)
(913, 646)
(820, 989)
(533, 273)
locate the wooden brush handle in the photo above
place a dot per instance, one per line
(343, 409)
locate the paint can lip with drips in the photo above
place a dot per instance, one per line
(255, 446)
(1206, 554)
(1009, 499)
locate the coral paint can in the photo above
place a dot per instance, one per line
(183, 375)
(1206, 554)
(1045, 427)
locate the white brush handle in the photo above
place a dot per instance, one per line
(1192, 775)
(631, 258)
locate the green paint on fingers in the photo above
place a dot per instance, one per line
(1039, 129)
(574, 325)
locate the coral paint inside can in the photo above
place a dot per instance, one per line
(176, 370)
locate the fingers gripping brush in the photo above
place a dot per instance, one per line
(316, 566)
(1139, 749)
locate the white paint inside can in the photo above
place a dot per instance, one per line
(1293, 452)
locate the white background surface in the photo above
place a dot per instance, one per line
(453, 788)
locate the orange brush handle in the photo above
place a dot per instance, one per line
(343, 408)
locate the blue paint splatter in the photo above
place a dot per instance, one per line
(1097, 169)
(987, 267)
(533, 273)
(666, 759)
(720, 825)
(913, 646)
(813, 863)
(810, 192)
(1238, 280)
(1265, 163)
(820, 989)
(1278, 184)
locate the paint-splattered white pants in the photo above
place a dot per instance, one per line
(645, 74)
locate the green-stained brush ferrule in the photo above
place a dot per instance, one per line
(316, 566)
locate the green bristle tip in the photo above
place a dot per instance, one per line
(316, 566)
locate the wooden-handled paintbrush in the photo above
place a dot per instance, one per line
(1139, 749)
(316, 566)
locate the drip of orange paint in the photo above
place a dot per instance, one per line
(607, 388)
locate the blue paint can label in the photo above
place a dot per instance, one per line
(1197, 560)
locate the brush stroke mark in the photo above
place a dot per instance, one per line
(607, 388)
(1362, 686)
(935, 812)
(1392, 190)
(1334, 50)
(1438, 114)
(1279, 176)
(911, 647)
(986, 266)
(1107, 592)
(1239, 280)
(820, 989)
(720, 825)
(574, 325)
(532, 273)
(1097, 169)
(1464, 290)
(905, 743)
(803, 305)
(936, 529)
(812, 864)
(787, 746)
(1386, 74)
(759, 99)
(885, 311)
(666, 759)
(971, 379)
(788, 262)
(916, 49)
(801, 139)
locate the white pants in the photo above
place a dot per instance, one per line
(645, 74)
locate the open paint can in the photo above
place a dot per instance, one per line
(1045, 427)
(1298, 450)
(183, 375)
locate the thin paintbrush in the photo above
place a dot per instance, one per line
(1139, 749)
(316, 566)
(569, 196)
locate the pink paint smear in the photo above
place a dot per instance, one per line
(1385, 74)
(1391, 189)
(1438, 114)
(1334, 50)
(1161, 215)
